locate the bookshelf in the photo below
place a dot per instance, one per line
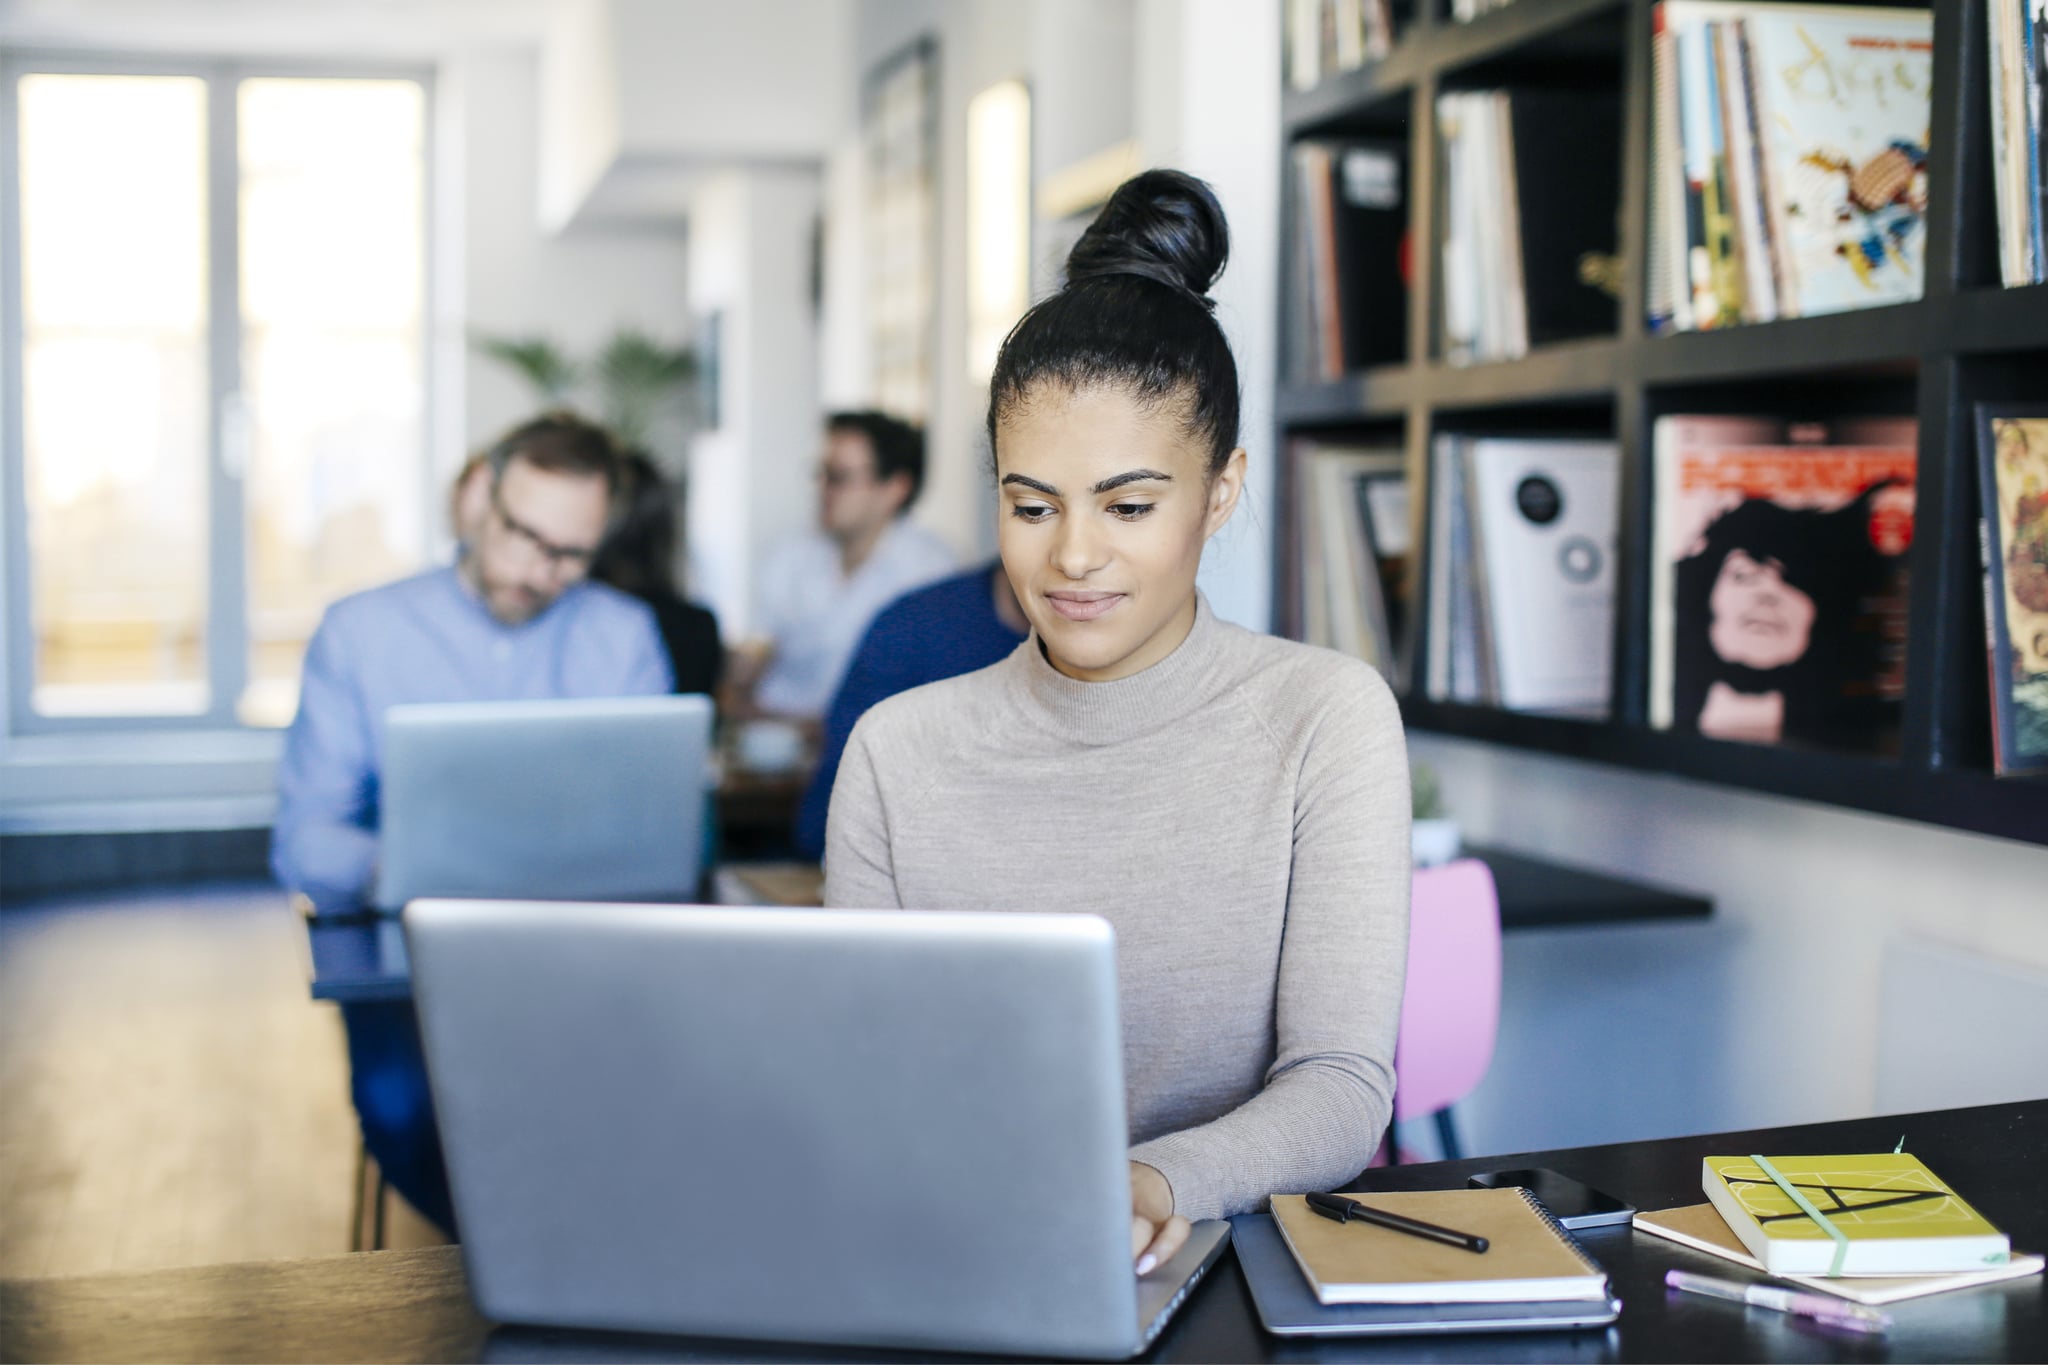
(1964, 341)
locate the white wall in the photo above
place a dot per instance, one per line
(751, 240)
(1768, 1013)
(575, 288)
(1215, 113)
(980, 42)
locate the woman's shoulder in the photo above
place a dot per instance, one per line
(1302, 687)
(931, 717)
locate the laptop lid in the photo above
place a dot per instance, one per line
(875, 1128)
(582, 799)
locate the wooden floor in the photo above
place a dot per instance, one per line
(169, 1094)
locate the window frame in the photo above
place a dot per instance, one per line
(226, 649)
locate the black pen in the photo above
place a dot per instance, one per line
(1342, 1210)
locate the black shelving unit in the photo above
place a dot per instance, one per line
(1966, 340)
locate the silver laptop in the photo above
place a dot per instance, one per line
(598, 799)
(877, 1128)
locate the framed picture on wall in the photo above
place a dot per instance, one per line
(899, 133)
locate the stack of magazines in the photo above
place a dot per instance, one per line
(1325, 37)
(1352, 510)
(1790, 149)
(1349, 260)
(2019, 64)
(1521, 572)
(1531, 189)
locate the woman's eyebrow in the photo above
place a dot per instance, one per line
(1028, 482)
(1132, 476)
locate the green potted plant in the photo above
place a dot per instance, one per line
(1433, 834)
(633, 375)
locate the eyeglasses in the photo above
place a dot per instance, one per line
(833, 477)
(563, 559)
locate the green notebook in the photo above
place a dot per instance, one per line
(1879, 1214)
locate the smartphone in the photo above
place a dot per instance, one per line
(1572, 1203)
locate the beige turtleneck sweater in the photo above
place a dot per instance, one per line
(1239, 813)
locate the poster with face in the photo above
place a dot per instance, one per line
(1781, 580)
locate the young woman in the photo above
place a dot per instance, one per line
(1235, 805)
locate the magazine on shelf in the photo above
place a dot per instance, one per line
(1546, 512)
(2018, 66)
(1520, 595)
(2012, 462)
(1531, 190)
(1351, 277)
(1789, 160)
(1461, 663)
(1778, 579)
(1325, 37)
(1843, 94)
(1351, 580)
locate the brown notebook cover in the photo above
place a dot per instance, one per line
(1530, 1258)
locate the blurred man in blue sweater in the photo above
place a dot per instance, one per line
(955, 626)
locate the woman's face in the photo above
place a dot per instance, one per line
(1104, 504)
(1757, 619)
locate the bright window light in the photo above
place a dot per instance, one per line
(998, 220)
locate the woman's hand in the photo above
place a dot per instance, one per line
(1157, 1232)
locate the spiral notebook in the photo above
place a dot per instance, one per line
(1530, 1259)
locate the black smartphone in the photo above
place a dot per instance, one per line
(1572, 1203)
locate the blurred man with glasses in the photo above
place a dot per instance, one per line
(819, 592)
(513, 619)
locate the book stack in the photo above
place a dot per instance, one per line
(1328, 36)
(1517, 1269)
(1350, 256)
(1352, 508)
(1465, 11)
(1789, 172)
(1521, 572)
(2019, 64)
(1531, 191)
(1903, 1233)
(1778, 579)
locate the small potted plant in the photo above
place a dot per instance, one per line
(1434, 835)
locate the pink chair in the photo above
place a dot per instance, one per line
(1450, 1013)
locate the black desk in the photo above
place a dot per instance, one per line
(362, 957)
(1538, 894)
(412, 1305)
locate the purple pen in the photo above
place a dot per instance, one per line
(1850, 1317)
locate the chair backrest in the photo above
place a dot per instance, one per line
(1450, 1012)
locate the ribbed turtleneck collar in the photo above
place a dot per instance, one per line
(1099, 713)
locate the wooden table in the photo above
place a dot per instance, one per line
(412, 1305)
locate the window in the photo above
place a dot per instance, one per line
(215, 379)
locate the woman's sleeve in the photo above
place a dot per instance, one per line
(859, 871)
(1343, 959)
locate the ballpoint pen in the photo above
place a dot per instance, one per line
(1832, 1312)
(1339, 1209)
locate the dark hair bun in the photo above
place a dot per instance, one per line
(1161, 225)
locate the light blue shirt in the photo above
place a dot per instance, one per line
(428, 638)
